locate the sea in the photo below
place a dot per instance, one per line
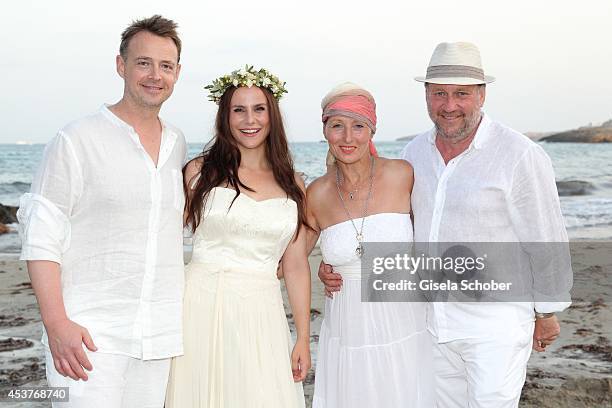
(587, 216)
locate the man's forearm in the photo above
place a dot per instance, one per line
(47, 285)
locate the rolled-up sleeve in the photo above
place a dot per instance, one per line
(538, 222)
(44, 213)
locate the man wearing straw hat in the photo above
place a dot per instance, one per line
(477, 180)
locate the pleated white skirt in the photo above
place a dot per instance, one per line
(373, 354)
(237, 345)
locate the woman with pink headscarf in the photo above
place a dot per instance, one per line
(371, 354)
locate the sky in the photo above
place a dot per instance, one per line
(552, 59)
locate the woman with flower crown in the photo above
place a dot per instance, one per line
(371, 354)
(246, 207)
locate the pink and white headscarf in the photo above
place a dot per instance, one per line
(352, 101)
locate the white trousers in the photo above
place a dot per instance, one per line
(483, 372)
(116, 381)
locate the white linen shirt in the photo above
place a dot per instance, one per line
(100, 208)
(500, 189)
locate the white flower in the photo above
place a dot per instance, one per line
(246, 76)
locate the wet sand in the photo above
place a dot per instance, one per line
(574, 372)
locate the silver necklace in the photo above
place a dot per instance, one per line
(352, 193)
(358, 232)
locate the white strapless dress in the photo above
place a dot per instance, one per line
(236, 337)
(370, 354)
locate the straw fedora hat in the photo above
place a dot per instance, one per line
(456, 64)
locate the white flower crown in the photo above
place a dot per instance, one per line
(248, 77)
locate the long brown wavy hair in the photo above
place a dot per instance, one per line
(221, 159)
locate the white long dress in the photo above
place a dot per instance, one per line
(370, 354)
(236, 337)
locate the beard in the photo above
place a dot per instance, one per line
(470, 123)
(148, 103)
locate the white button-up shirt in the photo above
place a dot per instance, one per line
(500, 189)
(112, 219)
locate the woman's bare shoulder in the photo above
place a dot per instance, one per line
(321, 185)
(192, 169)
(398, 170)
(299, 179)
(399, 165)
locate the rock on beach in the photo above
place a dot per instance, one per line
(8, 214)
(599, 134)
(574, 188)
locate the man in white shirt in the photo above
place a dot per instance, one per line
(479, 181)
(102, 235)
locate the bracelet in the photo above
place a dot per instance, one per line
(539, 316)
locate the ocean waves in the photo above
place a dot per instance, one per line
(10, 192)
(583, 171)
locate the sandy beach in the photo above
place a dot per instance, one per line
(576, 371)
